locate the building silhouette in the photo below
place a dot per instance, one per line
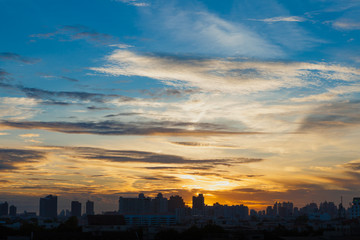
(159, 204)
(198, 202)
(140, 205)
(4, 209)
(175, 202)
(76, 209)
(12, 211)
(48, 206)
(90, 208)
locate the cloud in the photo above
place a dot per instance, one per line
(135, 3)
(31, 138)
(346, 25)
(18, 107)
(331, 94)
(95, 108)
(13, 158)
(29, 135)
(353, 165)
(332, 116)
(9, 56)
(281, 19)
(69, 79)
(200, 144)
(123, 128)
(122, 156)
(83, 96)
(194, 29)
(61, 77)
(123, 114)
(77, 32)
(224, 75)
(4, 76)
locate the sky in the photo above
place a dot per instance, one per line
(247, 102)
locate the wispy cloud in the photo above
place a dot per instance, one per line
(122, 128)
(4, 75)
(332, 116)
(195, 29)
(9, 56)
(330, 95)
(76, 32)
(150, 157)
(224, 75)
(346, 25)
(136, 3)
(281, 19)
(83, 96)
(18, 107)
(13, 158)
(29, 135)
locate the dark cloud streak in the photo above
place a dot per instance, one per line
(125, 128)
(9, 56)
(9, 158)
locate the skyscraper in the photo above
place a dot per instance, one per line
(76, 209)
(4, 209)
(175, 202)
(12, 211)
(90, 208)
(160, 204)
(198, 202)
(48, 206)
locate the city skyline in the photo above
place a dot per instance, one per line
(144, 204)
(246, 102)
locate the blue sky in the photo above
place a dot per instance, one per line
(261, 96)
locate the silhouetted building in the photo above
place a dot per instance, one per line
(328, 208)
(285, 209)
(48, 206)
(175, 202)
(140, 205)
(159, 204)
(90, 208)
(355, 208)
(76, 209)
(4, 209)
(12, 211)
(198, 202)
(309, 209)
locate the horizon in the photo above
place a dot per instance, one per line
(247, 102)
(66, 204)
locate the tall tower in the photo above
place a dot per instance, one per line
(4, 209)
(76, 209)
(12, 211)
(198, 202)
(48, 206)
(90, 208)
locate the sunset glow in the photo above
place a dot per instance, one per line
(247, 103)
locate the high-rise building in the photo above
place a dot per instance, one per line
(4, 209)
(160, 204)
(90, 208)
(175, 202)
(198, 202)
(76, 209)
(140, 205)
(12, 211)
(48, 206)
(355, 208)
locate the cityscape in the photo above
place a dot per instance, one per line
(157, 217)
(179, 119)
